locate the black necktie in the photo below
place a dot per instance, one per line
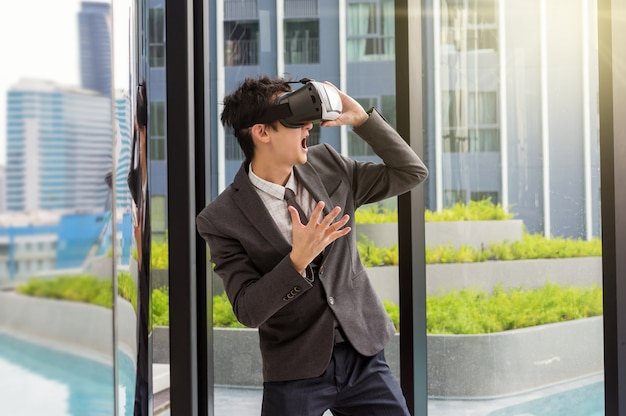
(290, 197)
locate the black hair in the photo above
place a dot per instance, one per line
(142, 105)
(247, 103)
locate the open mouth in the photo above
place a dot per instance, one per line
(303, 143)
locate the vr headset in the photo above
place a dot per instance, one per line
(311, 103)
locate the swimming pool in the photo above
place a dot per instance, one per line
(587, 400)
(35, 380)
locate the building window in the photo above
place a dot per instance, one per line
(157, 130)
(233, 150)
(469, 26)
(158, 217)
(302, 41)
(470, 124)
(386, 105)
(156, 37)
(301, 8)
(371, 31)
(241, 44)
(482, 195)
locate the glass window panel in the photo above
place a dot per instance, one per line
(59, 167)
(241, 43)
(370, 31)
(483, 356)
(302, 42)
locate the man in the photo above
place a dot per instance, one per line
(300, 280)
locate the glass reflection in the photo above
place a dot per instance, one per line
(519, 287)
(57, 215)
(509, 87)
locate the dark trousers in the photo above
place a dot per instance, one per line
(351, 385)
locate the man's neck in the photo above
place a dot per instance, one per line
(271, 172)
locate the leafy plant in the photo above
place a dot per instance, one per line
(471, 311)
(374, 214)
(223, 315)
(393, 311)
(76, 288)
(375, 256)
(160, 307)
(159, 255)
(536, 246)
(483, 210)
(126, 288)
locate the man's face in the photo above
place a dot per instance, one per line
(288, 145)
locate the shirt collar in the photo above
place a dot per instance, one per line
(271, 188)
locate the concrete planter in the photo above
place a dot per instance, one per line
(476, 234)
(82, 327)
(579, 271)
(459, 366)
(473, 366)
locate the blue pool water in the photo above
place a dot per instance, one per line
(582, 401)
(35, 380)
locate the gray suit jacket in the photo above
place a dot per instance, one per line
(296, 319)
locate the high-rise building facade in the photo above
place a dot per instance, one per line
(65, 135)
(122, 152)
(495, 118)
(94, 25)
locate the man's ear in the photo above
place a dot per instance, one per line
(259, 132)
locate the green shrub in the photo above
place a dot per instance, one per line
(467, 311)
(375, 256)
(393, 311)
(77, 288)
(471, 311)
(126, 288)
(223, 315)
(483, 210)
(536, 246)
(159, 256)
(375, 214)
(160, 307)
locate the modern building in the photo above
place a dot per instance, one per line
(488, 134)
(512, 111)
(3, 186)
(58, 148)
(122, 151)
(94, 25)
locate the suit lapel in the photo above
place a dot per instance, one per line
(253, 208)
(309, 178)
(318, 190)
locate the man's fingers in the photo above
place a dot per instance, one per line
(317, 213)
(295, 216)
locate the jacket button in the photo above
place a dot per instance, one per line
(331, 300)
(297, 289)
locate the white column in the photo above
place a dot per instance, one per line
(586, 120)
(504, 131)
(437, 103)
(545, 124)
(221, 80)
(343, 69)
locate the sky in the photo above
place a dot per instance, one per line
(39, 39)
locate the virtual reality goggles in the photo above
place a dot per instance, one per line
(311, 103)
